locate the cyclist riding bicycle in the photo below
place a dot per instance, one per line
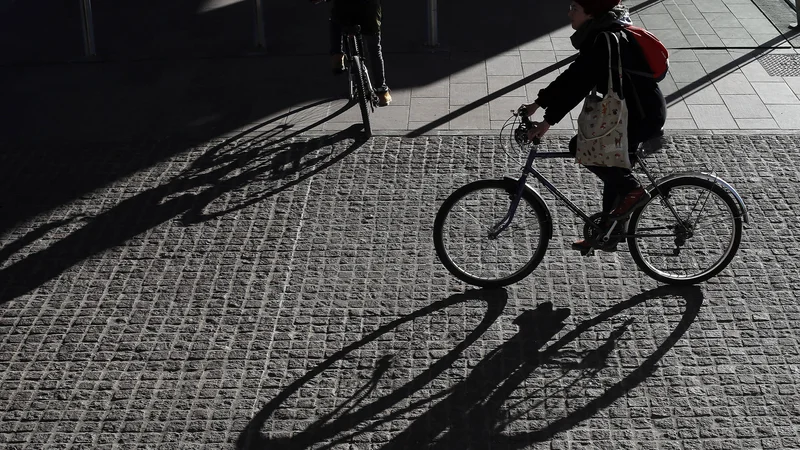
(368, 14)
(645, 102)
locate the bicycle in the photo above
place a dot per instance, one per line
(671, 226)
(361, 89)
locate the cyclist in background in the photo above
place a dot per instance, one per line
(367, 14)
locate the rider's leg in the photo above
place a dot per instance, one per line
(375, 54)
(336, 46)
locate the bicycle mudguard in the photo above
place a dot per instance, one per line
(548, 225)
(713, 179)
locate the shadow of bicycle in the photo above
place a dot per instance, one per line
(479, 411)
(232, 175)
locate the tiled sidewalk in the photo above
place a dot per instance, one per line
(716, 81)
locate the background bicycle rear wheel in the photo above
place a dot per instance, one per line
(461, 234)
(698, 244)
(363, 99)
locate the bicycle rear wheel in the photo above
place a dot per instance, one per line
(364, 96)
(694, 246)
(461, 234)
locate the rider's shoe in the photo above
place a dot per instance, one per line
(584, 246)
(337, 63)
(384, 98)
(633, 200)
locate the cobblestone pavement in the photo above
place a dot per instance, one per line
(264, 293)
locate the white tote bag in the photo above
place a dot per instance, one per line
(603, 123)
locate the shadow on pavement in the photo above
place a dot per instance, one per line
(328, 427)
(254, 166)
(474, 413)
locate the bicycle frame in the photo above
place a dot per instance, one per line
(528, 169)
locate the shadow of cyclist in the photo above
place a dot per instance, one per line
(485, 424)
(470, 414)
(230, 166)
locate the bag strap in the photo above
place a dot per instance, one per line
(610, 64)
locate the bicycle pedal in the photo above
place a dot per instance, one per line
(588, 252)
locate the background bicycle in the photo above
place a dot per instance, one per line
(358, 81)
(495, 232)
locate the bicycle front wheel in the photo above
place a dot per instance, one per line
(687, 232)
(468, 248)
(364, 95)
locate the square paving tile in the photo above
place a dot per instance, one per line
(401, 96)
(746, 107)
(428, 109)
(531, 69)
(680, 124)
(538, 56)
(713, 61)
(656, 22)
(711, 6)
(745, 11)
(392, 117)
(471, 74)
(475, 119)
(734, 83)
(465, 93)
(793, 83)
(682, 56)
(678, 110)
(500, 109)
(684, 11)
(758, 26)
(562, 43)
(775, 92)
(704, 40)
(721, 19)
(499, 82)
(757, 124)
(504, 65)
(686, 72)
(672, 38)
(712, 117)
(542, 43)
(697, 26)
(418, 125)
(706, 95)
(438, 89)
(787, 116)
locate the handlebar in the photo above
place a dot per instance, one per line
(521, 133)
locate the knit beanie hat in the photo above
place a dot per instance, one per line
(596, 7)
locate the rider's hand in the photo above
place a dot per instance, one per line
(538, 130)
(530, 109)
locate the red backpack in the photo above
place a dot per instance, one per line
(654, 52)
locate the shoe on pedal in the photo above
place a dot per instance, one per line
(337, 63)
(384, 98)
(632, 200)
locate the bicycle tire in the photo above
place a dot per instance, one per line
(678, 190)
(534, 241)
(361, 86)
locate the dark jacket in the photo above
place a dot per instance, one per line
(366, 13)
(642, 95)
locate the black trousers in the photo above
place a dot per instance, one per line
(373, 51)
